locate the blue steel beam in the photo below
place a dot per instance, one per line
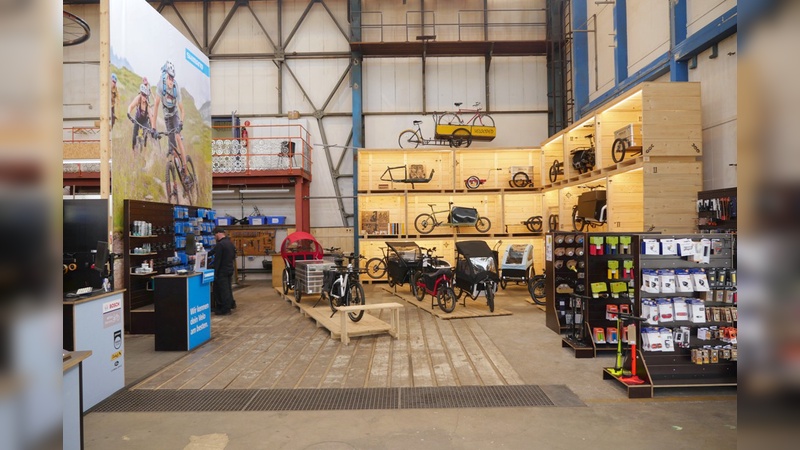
(721, 28)
(358, 109)
(678, 70)
(580, 56)
(621, 36)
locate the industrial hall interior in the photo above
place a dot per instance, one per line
(369, 224)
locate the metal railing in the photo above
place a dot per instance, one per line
(266, 148)
(468, 19)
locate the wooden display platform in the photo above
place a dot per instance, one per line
(634, 390)
(368, 325)
(474, 308)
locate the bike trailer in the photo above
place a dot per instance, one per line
(517, 261)
(475, 264)
(462, 215)
(583, 159)
(590, 204)
(403, 258)
(300, 246)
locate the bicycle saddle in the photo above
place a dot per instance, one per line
(439, 272)
(458, 104)
(417, 122)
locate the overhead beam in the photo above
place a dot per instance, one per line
(719, 29)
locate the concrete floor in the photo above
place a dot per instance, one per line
(688, 418)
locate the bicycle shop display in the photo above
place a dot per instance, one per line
(457, 216)
(451, 128)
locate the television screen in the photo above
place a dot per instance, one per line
(101, 257)
(85, 223)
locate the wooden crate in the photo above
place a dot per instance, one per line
(670, 192)
(341, 237)
(551, 151)
(518, 207)
(625, 199)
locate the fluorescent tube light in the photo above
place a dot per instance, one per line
(223, 191)
(262, 191)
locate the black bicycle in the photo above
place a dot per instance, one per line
(176, 172)
(342, 287)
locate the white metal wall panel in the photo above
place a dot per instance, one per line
(451, 80)
(518, 83)
(81, 80)
(318, 32)
(516, 12)
(392, 84)
(246, 86)
(601, 48)
(243, 35)
(192, 14)
(318, 77)
(701, 12)
(718, 78)
(648, 32)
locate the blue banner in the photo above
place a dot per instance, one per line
(197, 62)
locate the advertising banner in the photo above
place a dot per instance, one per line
(161, 104)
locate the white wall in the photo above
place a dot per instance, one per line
(601, 48)
(648, 32)
(701, 12)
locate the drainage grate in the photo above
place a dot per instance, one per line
(141, 400)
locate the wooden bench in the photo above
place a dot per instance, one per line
(395, 308)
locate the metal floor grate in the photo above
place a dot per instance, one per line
(194, 400)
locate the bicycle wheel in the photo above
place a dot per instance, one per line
(409, 139)
(446, 298)
(503, 283)
(75, 30)
(490, 295)
(376, 268)
(450, 119)
(483, 120)
(298, 295)
(355, 296)
(534, 224)
(419, 293)
(424, 223)
(578, 222)
(461, 137)
(536, 287)
(189, 182)
(554, 171)
(552, 222)
(457, 291)
(473, 182)
(483, 224)
(286, 280)
(171, 181)
(618, 150)
(521, 180)
(335, 287)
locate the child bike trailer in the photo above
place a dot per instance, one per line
(476, 271)
(517, 264)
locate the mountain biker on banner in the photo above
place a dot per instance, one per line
(168, 95)
(141, 104)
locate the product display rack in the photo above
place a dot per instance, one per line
(717, 211)
(138, 306)
(676, 369)
(606, 250)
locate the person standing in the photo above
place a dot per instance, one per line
(224, 254)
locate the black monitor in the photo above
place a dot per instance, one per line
(191, 249)
(101, 257)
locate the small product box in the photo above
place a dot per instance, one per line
(650, 311)
(627, 269)
(680, 308)
(625, 245)
(702, 252)
(624, 308)
(650, 282)
(669, 247)
(665, 310)
(611, 312)
(666, 279)
(697, 311)
(617, 288)
(665, 335)
(596, 245)
(730, 297)
(683, 281)
(612, 245)
(598, 288)
(611, 335)
(613, 270)
(699, 280)
(599, 335)
(686, 247)
(650, 247)
(719, 296)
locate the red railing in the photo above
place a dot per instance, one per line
(256, 149)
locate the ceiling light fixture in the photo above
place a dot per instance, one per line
(223, 191)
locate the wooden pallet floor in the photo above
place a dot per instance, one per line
(464, 309)
(266, 343)
(369, 325)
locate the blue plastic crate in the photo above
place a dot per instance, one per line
(256, 220)
(275, 220)
(224, 221)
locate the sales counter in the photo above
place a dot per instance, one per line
(95, 324)
(72, 437)
(182, 311)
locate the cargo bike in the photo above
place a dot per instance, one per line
(476, 272)
(403, 261)
(436, 279)
(299, 246)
